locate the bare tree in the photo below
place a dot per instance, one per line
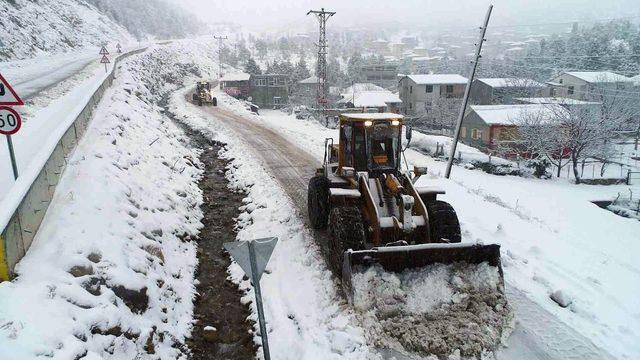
(574, 132)
(541, 134)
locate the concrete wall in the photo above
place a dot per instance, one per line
(16, 237)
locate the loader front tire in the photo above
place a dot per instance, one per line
(346, 231)
(443, 222)
(318, 202)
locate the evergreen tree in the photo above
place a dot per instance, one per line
(251, 67)
(301, 70)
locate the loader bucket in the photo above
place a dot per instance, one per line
(400, 258)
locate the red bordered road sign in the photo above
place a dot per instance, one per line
(8, 96)
(10, 121)
(104, 60)
(103, 51)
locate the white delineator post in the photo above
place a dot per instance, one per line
(463, 107)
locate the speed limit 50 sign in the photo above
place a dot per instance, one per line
(10, 121)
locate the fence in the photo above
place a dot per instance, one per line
(23, 224)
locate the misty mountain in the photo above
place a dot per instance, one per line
(142, 18)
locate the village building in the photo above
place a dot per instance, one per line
(419, 92)
(236, 85)
(487, 126)
(490, 91)
(585, 85)
(269, 90)
(371, 101)
(382, 74)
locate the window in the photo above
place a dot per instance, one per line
(277, 100)
(570, 90)
(449, 89)
(384, 145)
(560, 81)
(410, 106)
(463, 132)
(345, 140)
(272, 81)
(261, 82)
(429, 88)
(476, 134)
(410, 89)
(620, 86)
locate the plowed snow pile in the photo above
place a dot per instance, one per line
(457, 310)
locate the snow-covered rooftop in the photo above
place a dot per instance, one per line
(510, 82)
(556, 100)
(599, 76)
(236, 77)
(310, 80)
(373, 116)
(511, 114)
(361, 87)
(434, 79)
(371, 98)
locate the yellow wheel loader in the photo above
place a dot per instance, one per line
(373, 212)
(203, 94)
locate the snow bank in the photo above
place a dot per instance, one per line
(440, 310)
(110, 272)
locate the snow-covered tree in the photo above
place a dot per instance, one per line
(251, 67)
(301, 70)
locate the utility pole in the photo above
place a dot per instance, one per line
(321, 72)
(463, 107)
(220, 38)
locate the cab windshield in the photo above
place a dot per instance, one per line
(383, 146)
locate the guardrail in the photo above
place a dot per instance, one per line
(16, 237)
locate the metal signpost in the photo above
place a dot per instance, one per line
(10, 121)
(253, 256)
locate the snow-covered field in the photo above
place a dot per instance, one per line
(113, 257)
(553, 238)
(110, 272)
(109, 258)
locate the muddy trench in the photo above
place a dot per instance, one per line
(217, 303)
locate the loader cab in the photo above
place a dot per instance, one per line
(370, 142)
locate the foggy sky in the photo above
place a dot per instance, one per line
(279, 15)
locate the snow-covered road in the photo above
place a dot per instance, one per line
(544, 330)
(30, 77)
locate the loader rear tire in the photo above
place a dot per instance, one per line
(346, 231)
(443, 222)
(318, 202)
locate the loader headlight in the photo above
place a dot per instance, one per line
(395, 122)
(368, 123)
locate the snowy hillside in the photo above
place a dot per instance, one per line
(32, 28)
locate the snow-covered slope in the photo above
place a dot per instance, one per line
(31, 28)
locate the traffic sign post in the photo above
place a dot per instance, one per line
(253, 256)
(10, 121)
(105, 61)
